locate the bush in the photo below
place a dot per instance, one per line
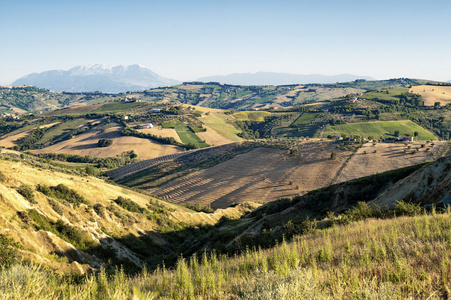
(129, 205)
(104, 142)
(2, 177)
(56, 207)
(62, 192)
(8, 251)
(99, 209)
(27, 192)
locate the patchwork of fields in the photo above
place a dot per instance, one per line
(380, 129)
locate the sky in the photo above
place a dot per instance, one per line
(185, 40)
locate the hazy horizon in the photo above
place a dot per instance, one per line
(188, 40)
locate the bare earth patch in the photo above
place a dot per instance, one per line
(261, 175)
(388, 156)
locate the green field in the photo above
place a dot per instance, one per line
(389, 94)
(220, 123)
(304, 119)
(187, 136)
(258, 116)
(380, 129)
(170, 124)
(117, 107)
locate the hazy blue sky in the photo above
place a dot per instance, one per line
(188, 39)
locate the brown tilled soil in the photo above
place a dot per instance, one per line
(86, 144)
(389, 156)
(261, 175)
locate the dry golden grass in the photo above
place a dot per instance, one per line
(432, 94)
(190, 87)
(13, 140)
(38, 246)
(78, 108)
(159, 131)
(400, 258)
(86, 144)
(213, 138)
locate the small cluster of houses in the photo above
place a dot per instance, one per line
(8, 115)
(398, 139)
(130, 100)
(386, 140)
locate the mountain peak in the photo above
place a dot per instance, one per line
(97, 77)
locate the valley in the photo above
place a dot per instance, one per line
(181, 178)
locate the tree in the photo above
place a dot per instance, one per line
(294, 151)
(397, 133)
(104, 142)
(437, 105)
(333, 155)
(415, 134)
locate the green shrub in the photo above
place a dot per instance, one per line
(62, 192)
(2, 177)
(56, 207)
(130, 205)
(27, 192)
(105, 142)
(99, 209)
(8, 251)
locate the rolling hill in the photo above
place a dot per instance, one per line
(268, 171)
(75, 223)
(269, 78)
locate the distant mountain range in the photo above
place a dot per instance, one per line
(102, 78)
(270, 78)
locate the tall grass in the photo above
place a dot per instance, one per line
(399, 258)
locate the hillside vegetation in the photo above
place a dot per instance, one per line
(390, 258)
(74, 223)
(380, 130)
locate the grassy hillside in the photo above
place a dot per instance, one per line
(61, 216)
(395, 258)
(379, 129)
(389, 94)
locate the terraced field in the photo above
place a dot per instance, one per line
(262, 174)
